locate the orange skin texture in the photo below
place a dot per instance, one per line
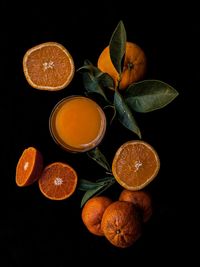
(141, 200)
(92, 213)
(134, 66)
(121, 224)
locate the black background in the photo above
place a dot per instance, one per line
(38, 231)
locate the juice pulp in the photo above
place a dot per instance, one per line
(78, 123)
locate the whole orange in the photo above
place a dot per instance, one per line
(134, 65)
(92, 213)
(121, 224)
(141, 200)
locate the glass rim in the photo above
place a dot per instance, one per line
(60, 142)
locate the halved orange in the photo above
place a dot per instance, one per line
(48, 66)
(58, 181)
(135, 164)
(29, 167)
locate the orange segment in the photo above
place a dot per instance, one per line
(29, 167)
(48, 66)
(135, 164)
(58, 181)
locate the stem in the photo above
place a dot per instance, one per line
(109, 173)
(130, 65)
(119, 80)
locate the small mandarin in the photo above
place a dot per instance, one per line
(121, 224)
(92, 213)
(141, 200)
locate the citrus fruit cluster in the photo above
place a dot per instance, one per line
(120, 221)
(120, 66)
(50, 66)
(57, 181)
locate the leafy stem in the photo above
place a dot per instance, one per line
(99, 158)
(94, 188)
(100, 185)
(143, 96)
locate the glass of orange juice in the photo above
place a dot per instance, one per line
(77, 123)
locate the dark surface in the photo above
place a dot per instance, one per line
(37, 231)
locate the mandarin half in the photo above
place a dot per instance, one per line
(29, 167)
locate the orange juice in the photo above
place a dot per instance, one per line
(77, 123)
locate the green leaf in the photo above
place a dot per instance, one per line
(92, 86)
(149, 95)
(117, 46)
(85, 185)
(94, 80)
(106, 183)
(125, 115)
(88, 194)
(105, 80)
(99, 158)
(112, 107)
(87, 66)
(108, 179)
(104, 188)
